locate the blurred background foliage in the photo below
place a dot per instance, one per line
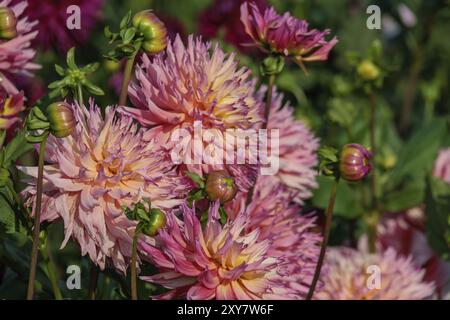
(412, 110)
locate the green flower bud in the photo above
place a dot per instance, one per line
(8, 24)
(157, 221)
(220, 186)
(272, 65)
(152, 29)
(61, 118)
(368, 71)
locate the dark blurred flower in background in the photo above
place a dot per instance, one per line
(225, 16)
(52, 16)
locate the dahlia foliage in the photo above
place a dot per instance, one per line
(197, 177)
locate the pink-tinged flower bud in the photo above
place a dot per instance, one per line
(355, 162)
(157, 221)
(220, 186)
(61, 118)
(152, 29)
(8, 24)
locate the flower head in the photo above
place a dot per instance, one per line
(347, 277)
(93, 173)
(16, 54)
(354, 162)
(285, 35)
(297, 149)
(442, 165)
(225, 15)
(53, 18)
(190, 85)
(10, 109)
(219, 262)
(153, 30)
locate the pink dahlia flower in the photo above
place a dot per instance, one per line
(225, 16)
(53, 16)
(196, 84)
(285, 34)
(350, 275)
(223, 262)
(442, 165)
(16, 54)
(297, 149)
(103, 166)
(274, 212)
(10, 109)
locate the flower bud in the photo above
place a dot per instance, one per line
(220, 186)
(61, 119)
(8, 24)
(354, 162)
(152, 29)
(368, 71)
(157, 221)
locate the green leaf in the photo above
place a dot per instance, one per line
(60, 70)
(9, 221)
(125, 20)
(408, 197)
(200, 183)
(438, 216)
(92, 88)
(129, 35)
(71, 59)
(16, 148)
(418, 154)
(90, 68)
(341, 112)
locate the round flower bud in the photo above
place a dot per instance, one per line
(152, 29)
(354, 162)
(8, 24)
(220, 186)
(157, 221)
(61, 118)
(368, 71)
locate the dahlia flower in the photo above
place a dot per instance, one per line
(52, 16)
(297, 149)
(405, 232)
(266, 252)
(225, 15)
(194, 84)
(10, 109)
(103, 166)
(442, 165)
(348, 276)
(285, 35)
(16, 54)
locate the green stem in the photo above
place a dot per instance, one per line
(51, 270)
(37, 221)
(126, 79)
(134, 295)
(93, 281)
(373, 147)
(80, 94)
(326, 235)
(266, 121)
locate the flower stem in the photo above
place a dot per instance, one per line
(80, 94)
(37, 221)
(126, 79)
(51, 270)
(326, 235)
(134, 295)
(374, 198)
(266, 122)
(93, 281)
